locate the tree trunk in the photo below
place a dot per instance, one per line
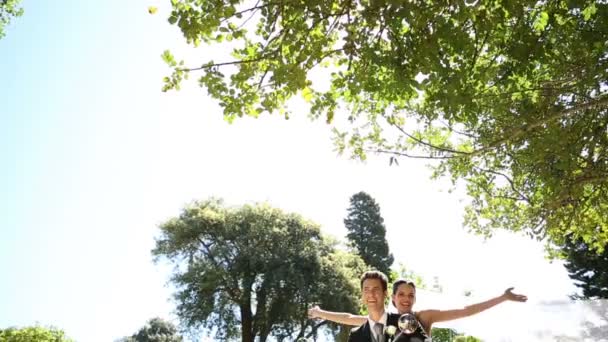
(246, 321)
(264, 333)
(260, 311)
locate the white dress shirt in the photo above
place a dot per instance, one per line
(372, 323)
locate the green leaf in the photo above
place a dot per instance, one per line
(541, 22)
(307, 94)
(168, 58)
(589, 11)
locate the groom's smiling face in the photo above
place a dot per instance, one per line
(373, 294)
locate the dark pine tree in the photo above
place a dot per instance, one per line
(367, 233)
(587, 268)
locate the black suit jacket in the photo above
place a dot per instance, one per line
(364, 332)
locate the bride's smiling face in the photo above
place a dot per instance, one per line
(404, 298)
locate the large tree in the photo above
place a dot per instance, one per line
(508, 96)
(367, 233)
(587, 269)
(253, 271)
(155, 330)
(9, 9)
(33, 334)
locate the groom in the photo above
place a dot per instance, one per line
(373, 294)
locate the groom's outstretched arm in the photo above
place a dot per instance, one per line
(337, 317)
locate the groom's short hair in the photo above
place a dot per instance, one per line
(375, 275)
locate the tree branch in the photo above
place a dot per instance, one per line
(403, 154)
(448, 126)
(234, 291)
(207, 66)
(254, 8)
(518, 132)
(316, 327)
(508, 179)
(435, 147)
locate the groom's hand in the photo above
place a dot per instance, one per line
(314, 312)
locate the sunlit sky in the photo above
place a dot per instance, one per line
(95, 156)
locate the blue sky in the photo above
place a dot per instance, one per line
(95, 156)
(75, 110)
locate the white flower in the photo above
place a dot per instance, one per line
(390, 330)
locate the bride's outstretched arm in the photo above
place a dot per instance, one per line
(434, 316)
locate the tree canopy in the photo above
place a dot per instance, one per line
(253, 271)
(155, 330)
(9, 9)
(33, 334)
(508, 97)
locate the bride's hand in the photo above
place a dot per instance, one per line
(509, 295)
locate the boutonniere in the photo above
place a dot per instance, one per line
(390, 332)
